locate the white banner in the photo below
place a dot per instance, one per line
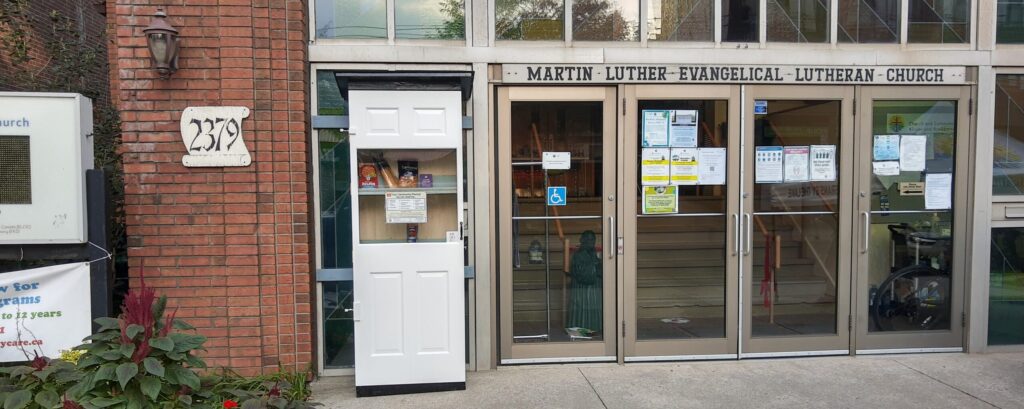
(752, 74)
(44, 310)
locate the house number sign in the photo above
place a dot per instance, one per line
(213, 137)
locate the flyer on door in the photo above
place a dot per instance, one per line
(823, 163)
(655, 128)
(654, 166)
(684, 166)
(711, 166)
(682, 130)
(768, 164)
(661, 200)
(913, 152)
(886, 147)
(796, 163)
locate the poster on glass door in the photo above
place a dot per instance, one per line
(796, 163)
(768, 164)
(654, 166)
(682, 129)
(823, 163)
(684, 166)
(655, 128)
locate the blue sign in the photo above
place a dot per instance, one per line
(556, 195)
(760, 107)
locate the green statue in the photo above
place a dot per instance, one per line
(585, 305)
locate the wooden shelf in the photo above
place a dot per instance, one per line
(436, 190)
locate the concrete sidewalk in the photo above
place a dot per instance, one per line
(900, 381)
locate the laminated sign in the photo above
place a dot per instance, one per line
(44, 310)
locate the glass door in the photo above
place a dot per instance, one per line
(911, 196)
(794, 285)
(680, 222)
(556, 195)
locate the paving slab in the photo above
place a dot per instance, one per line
(911, 381)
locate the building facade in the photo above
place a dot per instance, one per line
(631, 180)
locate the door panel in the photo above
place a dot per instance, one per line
(680, 267)
(795, 274)
(408, 275)
(909, 281)
(557, 263)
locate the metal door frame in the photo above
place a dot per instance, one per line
(864, 341)
(678, 349)
(550, 352)
(777, 346)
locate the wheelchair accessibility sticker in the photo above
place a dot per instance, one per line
(556, 195)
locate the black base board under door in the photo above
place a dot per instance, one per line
(384, 390)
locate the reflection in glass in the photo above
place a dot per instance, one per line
(681, 20)
(869, 21)
(574, 127)
(430, 19)
(1008, 147)
(339, 343)
(795, 262)
(406, 195)
(939, 21)
(529, 20)
(910, 253)
(335, 200)
(680, 277)
(681, 264)
(1006, 287)
(796, 254)
(740, 20)
(798, 21)
(1010, 22)
(351, 19)
(606, 20)
(557, 280)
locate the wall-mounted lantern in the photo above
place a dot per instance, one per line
(163, 42)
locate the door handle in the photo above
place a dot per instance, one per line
(736, 233)
(611, 238)
(866, 232)
(357, 314)
(750, 233)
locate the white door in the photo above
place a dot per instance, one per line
(407, 241)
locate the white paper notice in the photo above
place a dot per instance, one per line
(556, 160)
(886, 168)
(823, 163)
(654, 166)
(405, 207)
(711, 163)
(655, 132)
(684, 166)
(938, 191)
(768, 164)
(796, 162)
(913, 150)
(682, 129)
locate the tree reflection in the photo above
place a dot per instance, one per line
(593, 20)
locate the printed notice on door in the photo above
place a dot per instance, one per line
(823, 163)
(684, 166)
(654, 167)
(405, 207)
(913, 151)
(655, 132)
(768, 164)
(938, 191)
(796, 161)
(661, 199)
(682, 130)
(711, 162)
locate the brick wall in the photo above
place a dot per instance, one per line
(229, 246)
(88, 23)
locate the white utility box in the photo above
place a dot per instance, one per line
(45, 148)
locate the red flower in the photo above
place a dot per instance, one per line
(228, 404)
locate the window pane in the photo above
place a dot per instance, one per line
(740, 20)
(1006, 287)
(351, 19)
(680, 20)
(869, 21)
(1008, 147)
(606, 20)
(798, 21)
(438, 19)
(1010, 21)
(939, 21)
(339, 344)
(529, 19)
